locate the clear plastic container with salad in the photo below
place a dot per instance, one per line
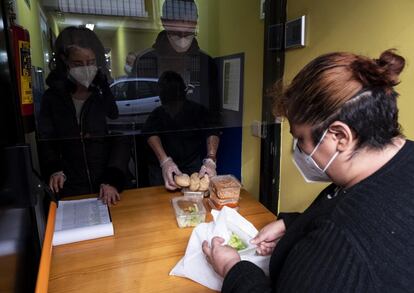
(189, 211)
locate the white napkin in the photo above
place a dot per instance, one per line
(194, 264)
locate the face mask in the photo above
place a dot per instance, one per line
(181, 44)
(84, 74)
(128, 69)
(309, 169)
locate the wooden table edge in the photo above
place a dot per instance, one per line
(42, 282)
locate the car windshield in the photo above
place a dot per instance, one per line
(134, 89)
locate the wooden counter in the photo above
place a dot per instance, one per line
(146, 246)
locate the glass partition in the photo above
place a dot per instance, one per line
(134, 93)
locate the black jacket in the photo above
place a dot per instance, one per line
(83, 151)
(361, 240)
(195, 67)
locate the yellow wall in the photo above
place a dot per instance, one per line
(241, 30)
(208, 29)
(53, 25)
(127, 40)
(30, 20)
(358, 26)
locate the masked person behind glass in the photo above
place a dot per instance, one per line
(129, 62)
(179, 134)
(77, 156)
(358, 235)
(176, 49)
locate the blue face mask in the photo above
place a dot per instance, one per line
(307, 166)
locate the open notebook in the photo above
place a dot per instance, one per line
(84, 219)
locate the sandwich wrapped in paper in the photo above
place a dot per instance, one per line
(236, 231)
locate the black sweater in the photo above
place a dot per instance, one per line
(362, 240)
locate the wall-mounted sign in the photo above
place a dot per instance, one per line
(295, 33)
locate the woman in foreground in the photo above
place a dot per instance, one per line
(358, 235)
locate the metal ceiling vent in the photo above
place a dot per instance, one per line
(135, 8)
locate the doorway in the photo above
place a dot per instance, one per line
(273, 69)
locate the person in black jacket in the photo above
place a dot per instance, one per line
(176, 49)
(358, 235)
(179, 134)
(77, 155)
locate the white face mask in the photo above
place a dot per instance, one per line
(84, 74)
(181, 44)
(307, 166)
(128, 69)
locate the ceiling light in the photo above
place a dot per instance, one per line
(134, 8)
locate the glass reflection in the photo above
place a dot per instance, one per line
(178, 134)
(176, 49)
(76, 155)
(98, 119)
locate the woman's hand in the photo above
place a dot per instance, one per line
(109, 194)
(56, 181)
(268, 237)
(221, 257)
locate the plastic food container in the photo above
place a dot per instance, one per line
(218, 206)
(225, 187)
(189, 211)
(187, 192)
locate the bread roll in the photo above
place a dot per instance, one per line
(194, 182)
(194, 176)
(204, 183)
(182, 180)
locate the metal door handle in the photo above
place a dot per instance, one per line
(128, 105)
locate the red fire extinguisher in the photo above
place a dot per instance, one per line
(22, 58)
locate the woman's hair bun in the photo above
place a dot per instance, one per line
(382, 72)
(392, 65)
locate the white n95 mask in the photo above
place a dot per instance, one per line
(84, 74)
(181, 44)
(307, 166)
(128, 69)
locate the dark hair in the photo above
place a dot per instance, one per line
(172, 87)
(346, 87)
(81, 37)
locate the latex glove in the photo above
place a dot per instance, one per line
(209, 168)
(109, 194)
(169, 168)
(56, 181)
(221, 257)
(268, 237)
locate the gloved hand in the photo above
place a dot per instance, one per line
(169, 168)
(209, 168)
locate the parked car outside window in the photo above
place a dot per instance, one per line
(136, 98)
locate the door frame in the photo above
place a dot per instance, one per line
(273, 70)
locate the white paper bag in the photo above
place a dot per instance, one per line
(194, 264)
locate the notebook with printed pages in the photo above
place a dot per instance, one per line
(79, 220)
